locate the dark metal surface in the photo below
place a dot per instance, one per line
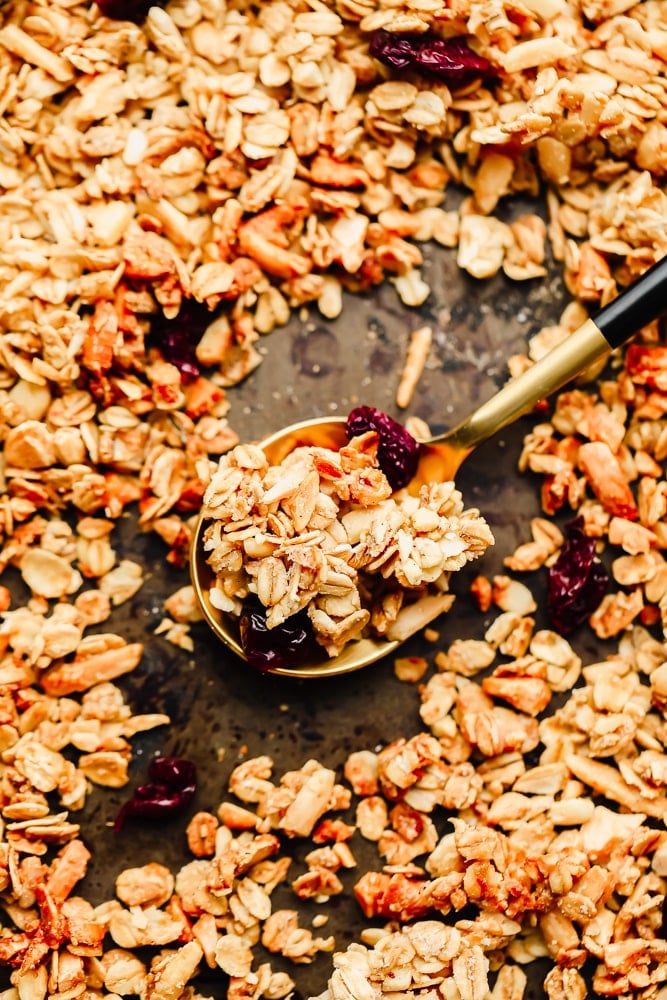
(216, 703)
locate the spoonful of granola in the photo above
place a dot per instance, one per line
(321, 549)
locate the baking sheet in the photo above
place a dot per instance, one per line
(222, 709)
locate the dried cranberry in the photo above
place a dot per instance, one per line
(449, 59)
(576, 582)
(171, 788)
(128, 10)
(398, 451)
(177, 338)
(287, 645)
(396, 51)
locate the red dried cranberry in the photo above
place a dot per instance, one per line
(397, 51)
(287, 645)
(128, 10)
(398, 452)
(171, 788)
(449, 59)
(177, 338)
(576, 582)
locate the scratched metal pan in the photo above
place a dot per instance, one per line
(217, 703)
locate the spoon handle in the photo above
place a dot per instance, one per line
(616, 323)
(638, 305)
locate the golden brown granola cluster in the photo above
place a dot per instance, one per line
(323, 531)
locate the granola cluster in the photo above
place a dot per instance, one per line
(255, 157)
(601, 456)
(505, 833)
(323, 531)
(234, 162)
(553, 844)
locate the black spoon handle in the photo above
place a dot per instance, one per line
(642, 302)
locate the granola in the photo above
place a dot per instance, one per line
(221, 165)
(323, 531)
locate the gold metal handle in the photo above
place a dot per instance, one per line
(520, 395)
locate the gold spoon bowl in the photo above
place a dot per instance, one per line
(441, 456)
(325, 432)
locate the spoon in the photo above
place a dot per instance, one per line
(442, 455)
